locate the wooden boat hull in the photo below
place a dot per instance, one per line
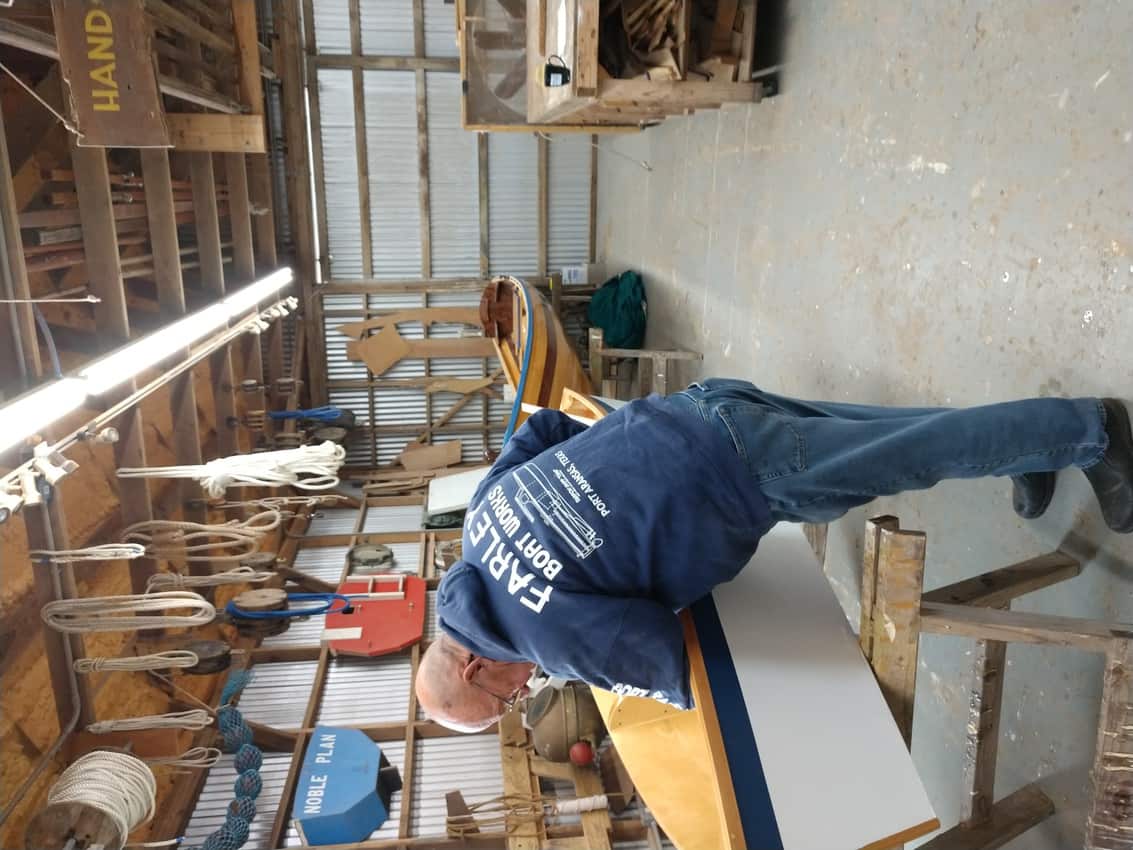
(537, 357)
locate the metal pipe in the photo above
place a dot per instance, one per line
(77, 708)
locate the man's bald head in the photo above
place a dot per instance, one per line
(463, 691)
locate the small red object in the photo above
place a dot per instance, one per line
(581, 753)
(387, 614)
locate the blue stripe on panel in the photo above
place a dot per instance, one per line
(761, 830)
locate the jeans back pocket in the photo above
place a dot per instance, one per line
(768, 441)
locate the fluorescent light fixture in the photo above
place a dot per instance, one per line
(132, 359)
(250, 296)
(32, 412)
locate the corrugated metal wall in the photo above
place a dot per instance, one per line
(513, 204)
(454, 196)
(391, 147)
(568, 200)
(454, 211)
(340, 172)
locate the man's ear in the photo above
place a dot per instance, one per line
(469, 669)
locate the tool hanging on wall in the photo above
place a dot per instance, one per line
(194, 542)
(306, 468)
(128, 613)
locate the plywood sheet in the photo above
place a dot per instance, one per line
(451, 493)
(830, 756)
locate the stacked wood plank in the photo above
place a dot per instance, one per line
(684, 39)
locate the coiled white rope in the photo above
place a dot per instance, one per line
(137, 663)
(305, 468)
(102, 552)
(195, 542)
(238, 575)
(195, 718)
(119, 785)
(196, 757)
(127, 613)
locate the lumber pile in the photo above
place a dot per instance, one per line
(674, 39)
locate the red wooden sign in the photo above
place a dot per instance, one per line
(388, 614)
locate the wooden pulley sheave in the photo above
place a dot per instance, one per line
(259, 600)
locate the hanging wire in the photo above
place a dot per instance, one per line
(71, 128)
(45, 329)
(638, 162)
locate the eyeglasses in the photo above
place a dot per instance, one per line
(509, 701)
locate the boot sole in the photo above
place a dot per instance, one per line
(1126, 437)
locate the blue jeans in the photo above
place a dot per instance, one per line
(816, 460)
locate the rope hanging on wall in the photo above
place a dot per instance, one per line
(137, 663)
(127, 613)
(119, 785)
(305, 468)
(195, 542)
(102, 552)
(283, 504)
(196, 757)
(195, 719)
(237, 575)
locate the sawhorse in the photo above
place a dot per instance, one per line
(896, 611)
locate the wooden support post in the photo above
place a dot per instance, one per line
(1011, 817)
(1108, 824)
(20, 350)
(46, 528)
(162, 217)
(100, 241)
(1020, 627)
(482, 172)
(543, 193)
(240, 218)
(518, 779)
(998, 587)
(250, 85)
(104, 270)
(989, 664)
(299, 197)
(208, 222)
(873, 529)
(250, 357)
(597, 361)
(596, 825)
(361, 153)
(263, 210)
(896, 621)
(220, 370)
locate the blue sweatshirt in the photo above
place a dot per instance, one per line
(582, 544)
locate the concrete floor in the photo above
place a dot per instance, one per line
(936, 209)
